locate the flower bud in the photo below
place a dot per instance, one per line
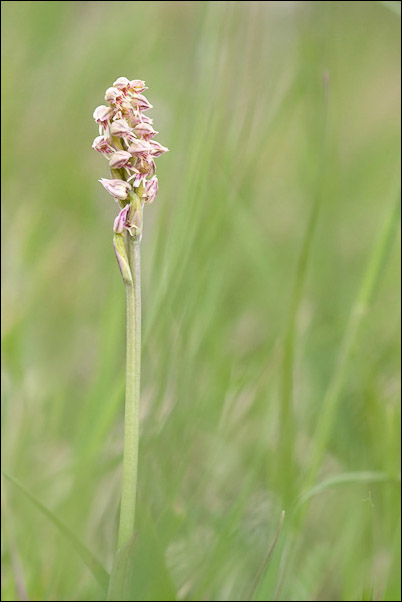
(102, 145)
(150, 190)
(120, 159)
(157, 149)
(117, 188)
(121, 220)
(113, 95)
(144, 130)
(102, 115)
(140, 102)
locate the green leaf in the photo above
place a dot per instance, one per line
(98, 571)
(139, 568)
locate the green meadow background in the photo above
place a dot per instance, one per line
(270, 369)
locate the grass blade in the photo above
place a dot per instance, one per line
(98, 571)
(263, 568)
(139, 569)
(371, 276)
(287, 420)
(344, 479)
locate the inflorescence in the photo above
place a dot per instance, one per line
(126, 140)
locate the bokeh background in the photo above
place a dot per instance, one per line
(283, 124)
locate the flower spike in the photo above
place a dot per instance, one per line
(126, 141)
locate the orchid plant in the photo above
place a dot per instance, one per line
(126, 139)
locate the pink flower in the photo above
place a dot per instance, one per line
(138, 85)
(121, 220)
(144, 130)
(150, 190)
(121, 129)
(117, 188)
(157, 149)
(102, 145)
(146, 166)
(113, 95)
(120, 159)
(124, 110)
(146, 119)
(139, 148)
(139, 101)
(123, 84)
(134, 118)
(102, 115)
(136, 178)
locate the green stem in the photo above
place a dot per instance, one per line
(131, 421)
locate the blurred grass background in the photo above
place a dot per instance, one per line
(233, 378)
